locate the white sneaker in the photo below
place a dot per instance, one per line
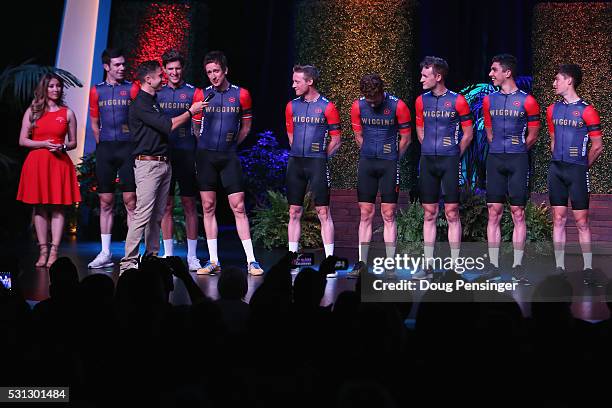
(193, 263)
(103, 260)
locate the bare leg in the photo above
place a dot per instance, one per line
(584, 236)
(209, 204)
(294, 228)
(41, 225)
(559, 215)
(129, 201)
(191, 217)
(496, 211)
(519, 234)
(57, 230)
(327, 224)
(236, 202)
(107, 201)
(167, 225)
(429, 230)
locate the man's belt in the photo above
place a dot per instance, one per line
(152, 158)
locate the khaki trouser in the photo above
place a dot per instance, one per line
(152, 187)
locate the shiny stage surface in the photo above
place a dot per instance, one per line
(35, 281)
(588, 305)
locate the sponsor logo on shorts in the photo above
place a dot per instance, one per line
(588, 184)
(397, 177)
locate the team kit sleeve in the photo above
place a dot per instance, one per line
(134, 90)
(356, 117)
(198, 96)
(533, 111)
(486, 112)
(289, 118)
(463, 109)
(549, 119)
(418, 108)
(333, 120)
(592, 121)
(402, 114)
(94, 110)
(246, 104)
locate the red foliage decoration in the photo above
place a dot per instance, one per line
(163, 26)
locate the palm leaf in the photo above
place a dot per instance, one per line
(23, 78)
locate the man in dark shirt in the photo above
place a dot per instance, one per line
(152, 172)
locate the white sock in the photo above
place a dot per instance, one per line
(329, 249)
(363, 252)
(588, 260)
(560, 258)
(212, 250)
(248, 250)
(293, 246)
(455, 254)
(518, 257)
(390, 250)
(168, 247)
(192, 248)
(428, 252)
(494, 256)
(106, 240)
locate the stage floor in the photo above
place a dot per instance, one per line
(35, 281)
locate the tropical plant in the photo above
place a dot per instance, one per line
(264, 166)
(474, 217)
(537, 217)
(269, 224)
(23, 78)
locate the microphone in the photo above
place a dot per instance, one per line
(209, 97)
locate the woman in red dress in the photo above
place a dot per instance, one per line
(48, 178)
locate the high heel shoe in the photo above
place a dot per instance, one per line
(42, 258)
(52, 255)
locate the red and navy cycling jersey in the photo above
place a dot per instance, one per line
(222, 118)
(441, 118)
(310, 123)
(509, 116)
(174, 102)
(380, 126)
(110, 103)
(572, 124)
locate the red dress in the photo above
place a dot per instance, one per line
(46, 177)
